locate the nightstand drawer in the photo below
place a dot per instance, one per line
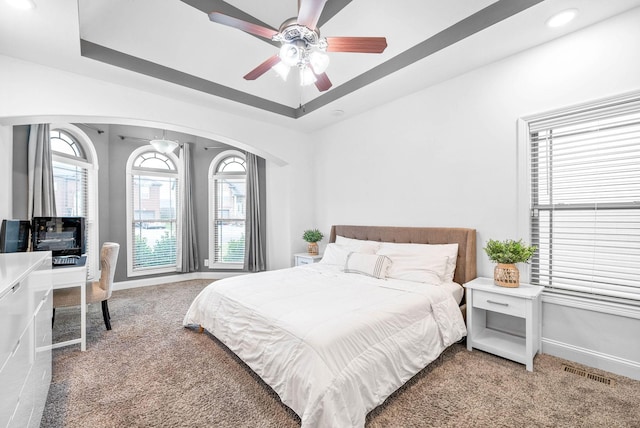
(493, 302)
(306, 259)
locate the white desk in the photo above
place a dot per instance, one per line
(66, 277)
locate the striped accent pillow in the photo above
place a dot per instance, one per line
(368, 264)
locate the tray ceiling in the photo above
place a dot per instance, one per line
(188, 56)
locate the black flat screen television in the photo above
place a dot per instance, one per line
(14, 236)
(63, 236)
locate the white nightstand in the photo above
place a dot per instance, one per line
(306, 259)
(523, 302)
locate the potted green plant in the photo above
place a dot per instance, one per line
(506, 254)
(312, 236)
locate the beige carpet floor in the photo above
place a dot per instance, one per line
(149, 371)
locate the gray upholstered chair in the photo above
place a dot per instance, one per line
(97, 291)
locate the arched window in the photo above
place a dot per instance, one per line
(75, 170)
(227, 203)
(152, 199)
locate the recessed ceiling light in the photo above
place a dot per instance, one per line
(337, 112)
(562, 18)
(22, 4)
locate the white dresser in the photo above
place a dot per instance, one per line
(25, 337)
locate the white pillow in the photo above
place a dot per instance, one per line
(358, 245)
(421, 262)
(417, 268)
(335, 254)
(368, 264)
(451, 266)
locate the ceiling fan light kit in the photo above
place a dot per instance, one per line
(301, 45)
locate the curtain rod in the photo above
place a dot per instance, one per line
(95, 128)
(146, 140)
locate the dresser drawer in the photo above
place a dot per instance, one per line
(493, 302)
(14, 317)
(14, 374)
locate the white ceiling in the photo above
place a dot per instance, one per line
(180, 37)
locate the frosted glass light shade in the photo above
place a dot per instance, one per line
(164, 146)
(282, 69)
(289, 54)
(319, 61)
(307, 77)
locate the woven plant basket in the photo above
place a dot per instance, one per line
(506, 275)
(312, 248)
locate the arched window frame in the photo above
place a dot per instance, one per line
(89, 161)
(214, 175)
(131, 170)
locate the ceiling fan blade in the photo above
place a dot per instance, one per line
(322, 82)
(309, 12)
(262, 68)
(245, 26)
(357, 44)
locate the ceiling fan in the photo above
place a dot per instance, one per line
(301, 44)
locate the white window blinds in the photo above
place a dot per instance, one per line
(153, 209)
(71, 186)
(227, 190)
(72, 197)
(154, 221)
(229, 227)
(585, 199)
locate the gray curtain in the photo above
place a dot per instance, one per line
(254, 254)
(42, 200)
(188, 251)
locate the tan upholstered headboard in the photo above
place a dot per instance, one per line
(465, 238)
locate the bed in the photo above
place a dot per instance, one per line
(334, 340)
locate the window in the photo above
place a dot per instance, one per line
(585, 199)
(152, 199)
(227, 201)
(75, 183)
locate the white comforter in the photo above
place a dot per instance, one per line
(332, 345)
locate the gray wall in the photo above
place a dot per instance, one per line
(113, 153)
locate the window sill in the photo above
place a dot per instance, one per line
(227, 266)
(151, 271)
(592, 303)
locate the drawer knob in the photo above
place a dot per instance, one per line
(497, 303)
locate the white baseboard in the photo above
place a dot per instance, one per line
(592, 358)
(135, 283)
